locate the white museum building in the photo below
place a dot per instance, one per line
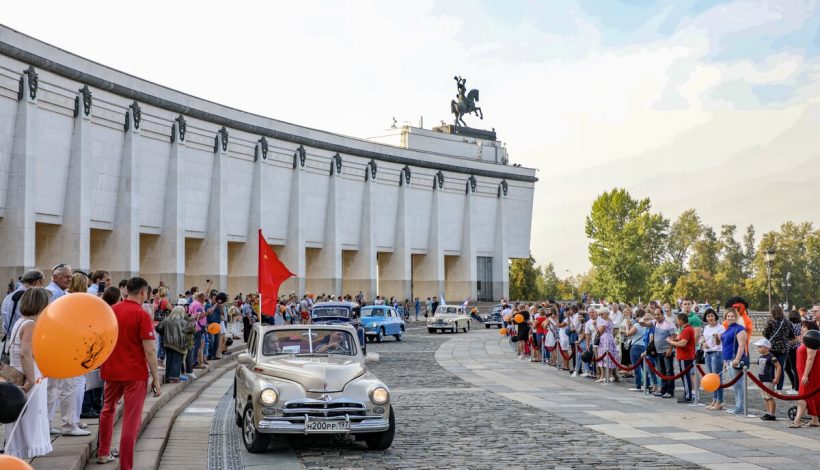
(102, 170)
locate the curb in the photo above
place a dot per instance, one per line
(74, 453)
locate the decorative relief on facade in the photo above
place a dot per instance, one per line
(86, 94)
(263, 145)
(136, 112)
(179, 125)
(336, 165)
(472, 181)
(221, 137)
(33, 83)
(300, 155)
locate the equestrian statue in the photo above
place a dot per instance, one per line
(466, 102)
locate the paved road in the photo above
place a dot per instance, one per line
(444, 421)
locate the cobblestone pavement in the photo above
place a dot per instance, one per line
(446, 422)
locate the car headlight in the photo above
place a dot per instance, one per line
(268, 396)
(379, 395)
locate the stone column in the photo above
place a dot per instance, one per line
(122, 246)
(75, 233)
(428, 278)
(461, 281)
(361, 274)
(168, 258)
(501, 268)
(17, 226)
(210, 259)
(396, 268)
(293, 253)
(245, 260)
(327, 273)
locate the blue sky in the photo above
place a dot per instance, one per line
(663, 98)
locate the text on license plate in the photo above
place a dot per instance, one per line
(327, 426)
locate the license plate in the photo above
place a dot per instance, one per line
(328, 426)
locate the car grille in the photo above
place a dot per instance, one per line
(297, 409)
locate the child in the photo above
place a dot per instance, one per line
(769, 371)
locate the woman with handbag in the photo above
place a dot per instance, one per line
(31, 438)
(780, 333)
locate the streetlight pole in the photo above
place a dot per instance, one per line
(769, 257)
(787, 286)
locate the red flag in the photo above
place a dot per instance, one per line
(272, 273)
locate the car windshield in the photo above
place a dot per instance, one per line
(447, 310)
(336, 312)
(313, 341)
(373, 312)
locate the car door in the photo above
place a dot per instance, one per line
(390, 321)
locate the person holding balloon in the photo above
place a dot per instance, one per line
(31, 438)
(713, 348)
(735, 351)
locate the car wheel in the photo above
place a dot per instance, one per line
(238, 415)
(431, 330)
(488, 326)
(455, 328)
(467, 328)
(253, 440)
(380, 335)
(398, 336)
(382, 440)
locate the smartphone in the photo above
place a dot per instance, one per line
(101, 286)
(207, 281)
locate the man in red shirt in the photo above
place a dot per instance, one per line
(684, 344)
(126, 374)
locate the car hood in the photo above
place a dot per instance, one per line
(446, 315)
(315, 374)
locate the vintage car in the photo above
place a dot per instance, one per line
(380, 321)
(494, 317)
(339, 313)
(309, 379)
(449, 317)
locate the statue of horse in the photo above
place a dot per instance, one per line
(465, 105)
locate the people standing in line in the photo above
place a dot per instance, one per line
(684, 343)
(779, 332)
(215, 314)
(162, 308)
(31, 438)
(635, 333)
(791, 359)
(768, 371)
(809, 373)
(79, 284)
(606, 346)
(174, 330)
(713, 353)
(92, 401)
(666, 357)
(99, 279)
(197, 311)
(126, 373)
(735, 352)
(11, 304)
(418, 308)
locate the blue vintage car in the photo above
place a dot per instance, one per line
(380, 321)
(334, 313)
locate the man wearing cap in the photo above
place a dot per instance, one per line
(10, 308)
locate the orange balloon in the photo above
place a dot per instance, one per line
(503, 331)
(214, 328)
(7, 462)
(519, 318)
(74, 335)
(710, 382)
(282, 309)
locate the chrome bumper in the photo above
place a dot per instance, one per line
(281, 425)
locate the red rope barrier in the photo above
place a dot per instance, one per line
(723, 385)
(669, 377)
(565, 356)
(550, 349)
(773, 393)
(599, 359)
(623, 367)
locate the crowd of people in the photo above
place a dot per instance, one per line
(160, 340)
(601, 340)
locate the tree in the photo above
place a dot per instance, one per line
(548, 283)
(729, 275)
(626, 240)
(705, 252)
(697, 284)
(683, 234)
(748, 251)
(524, 279)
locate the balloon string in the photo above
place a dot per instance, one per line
(25, 406)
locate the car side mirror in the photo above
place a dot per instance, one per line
(371, 358)
(244, 358)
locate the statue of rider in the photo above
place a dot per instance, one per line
(462, 88)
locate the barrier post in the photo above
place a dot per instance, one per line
(696, 384)
(646, 380)
(745, 392)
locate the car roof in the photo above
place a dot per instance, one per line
(335, 326)
(451, 305)
(377, 306)
(336, 304)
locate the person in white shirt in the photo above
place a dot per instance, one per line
(710, 343)
(10, 312)
(590, 334)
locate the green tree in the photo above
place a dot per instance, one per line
(705, 253)
(524, 279)
(748, 251)
(683, 234)
(626, 240)
(697, 284)
(548, 283)
(729, 276)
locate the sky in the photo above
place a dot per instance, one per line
(711, 105)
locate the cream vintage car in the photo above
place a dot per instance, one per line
(449, 318)
(309, 379)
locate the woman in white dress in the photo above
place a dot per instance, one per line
(31, 438)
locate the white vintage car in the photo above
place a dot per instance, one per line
(450, 318)
(309, 379)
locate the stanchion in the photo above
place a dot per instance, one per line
(646, 380)
(697, 389)
(746, 393)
